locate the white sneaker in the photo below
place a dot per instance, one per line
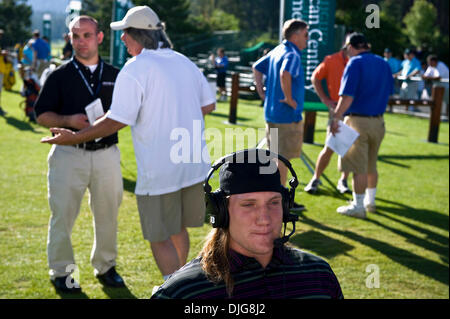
(353, 211)
(370, 207)
(342, 186)
(155, 289)
(313, 186)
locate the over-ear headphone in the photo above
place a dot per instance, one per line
(216, 203)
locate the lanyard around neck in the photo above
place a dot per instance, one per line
(86, 82)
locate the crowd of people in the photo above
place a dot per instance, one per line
(33, 61)
(249, 208)
(252, 203)
(416, 76)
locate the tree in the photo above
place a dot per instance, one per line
(420, 22)
(217, 20)
(15, 20)
(256, 16)
(203, 8)
(174, 13)
(101, 10)
(352, 15)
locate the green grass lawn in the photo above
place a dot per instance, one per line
(407, 240)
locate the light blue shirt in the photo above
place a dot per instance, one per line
(409, 66)
(394, 64)
(27, 55)
(285, 57)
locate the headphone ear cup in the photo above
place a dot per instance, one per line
(217, 209)
(287, 203)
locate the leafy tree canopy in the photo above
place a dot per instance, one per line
(15, 20)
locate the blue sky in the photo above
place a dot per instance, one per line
(49, 5)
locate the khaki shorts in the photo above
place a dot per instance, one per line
(290, 138)
(165, 215)
(362, 156)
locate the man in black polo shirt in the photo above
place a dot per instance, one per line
(94, 165)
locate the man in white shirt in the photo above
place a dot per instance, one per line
(436, 74)
(436, 69)
(162, 96)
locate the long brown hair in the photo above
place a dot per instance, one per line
(215, 258)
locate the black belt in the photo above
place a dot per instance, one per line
(93, 146)
(364, 115)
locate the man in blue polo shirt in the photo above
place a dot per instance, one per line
(366, 85)
(221, 66)
(284, 95)
(41, 53)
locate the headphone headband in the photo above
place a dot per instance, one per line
(216, 204)
(241, 155)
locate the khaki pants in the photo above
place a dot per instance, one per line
(290, 138)
(72, 171)
(362, 156)
(41, 65)
(165, 215)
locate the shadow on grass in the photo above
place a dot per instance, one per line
(319, 243)
(388, 159)
(323, 190)
(441, 248)
(424, 216)
(328, 191)
(129, 185)
(118, 293)
(14, 92)
(401, 256)
(21, 125)
(80, 295)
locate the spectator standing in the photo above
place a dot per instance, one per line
(221, 66)
(67, 51)
(160, 93)
(411, 67)
(94, 165)
(421, 86)
(2, 72)
(331, 69)
(27, 54)
(284, 95)
(365, 88)
(394, 63)
(41, 53)
(437, 71)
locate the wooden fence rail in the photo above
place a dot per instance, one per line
(435, 104)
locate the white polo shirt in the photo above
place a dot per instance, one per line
(159, 94)
(441, 70)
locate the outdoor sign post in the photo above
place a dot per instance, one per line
(319, 15)
(47, 26)
(118, 51)
(73, 10)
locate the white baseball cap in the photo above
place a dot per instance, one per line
(140, 17)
